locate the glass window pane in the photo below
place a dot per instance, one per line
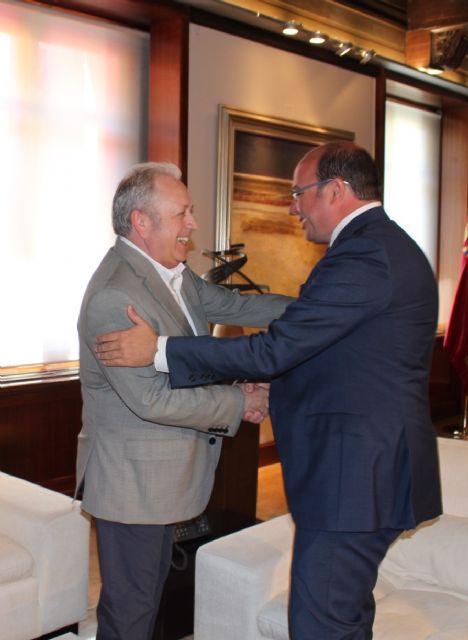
(72, 120)
(411, 181)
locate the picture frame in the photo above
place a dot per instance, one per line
(256, 159)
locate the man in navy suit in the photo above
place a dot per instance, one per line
(349, 364)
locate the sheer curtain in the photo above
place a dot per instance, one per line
(72, 120)
(412, 168)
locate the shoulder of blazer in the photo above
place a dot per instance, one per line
(376, 215)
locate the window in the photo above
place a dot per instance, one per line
(412, 166)
(72, 120)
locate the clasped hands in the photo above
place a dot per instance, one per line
(137, 346)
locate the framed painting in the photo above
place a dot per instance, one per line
(257, 155)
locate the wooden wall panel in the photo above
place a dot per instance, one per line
(168, 91)
(39, 424)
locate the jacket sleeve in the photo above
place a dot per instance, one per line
(225, 306)
(343, 290)
(146, 392)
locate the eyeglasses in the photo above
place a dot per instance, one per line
(298, 191)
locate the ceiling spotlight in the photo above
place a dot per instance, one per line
(291, 28)
(317, 37)
(344, 48)
(366, 55)
(432, 71)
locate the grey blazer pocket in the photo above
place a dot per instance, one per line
(158, 449)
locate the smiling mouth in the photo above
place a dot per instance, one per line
(183, 240)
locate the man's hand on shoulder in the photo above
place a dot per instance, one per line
(134, 347)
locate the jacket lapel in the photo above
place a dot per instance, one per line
(154, 284)
(192, 300)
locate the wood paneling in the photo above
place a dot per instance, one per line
(432, 14)
(168, 91)
(445, 392)
(234, 498)
(39, 424)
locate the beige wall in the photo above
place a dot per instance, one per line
(239, 73)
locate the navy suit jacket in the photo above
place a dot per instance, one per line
(349, 363)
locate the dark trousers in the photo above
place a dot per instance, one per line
(332, 579)
(134, 560)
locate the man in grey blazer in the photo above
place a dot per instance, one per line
(147, 453)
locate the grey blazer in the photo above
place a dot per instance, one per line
(147, 453)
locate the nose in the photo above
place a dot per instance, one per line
(190, 220)
(293, 210)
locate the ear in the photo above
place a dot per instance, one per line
(338, 189)
(140, 222)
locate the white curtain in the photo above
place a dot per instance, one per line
(411, 181)
(72, 120)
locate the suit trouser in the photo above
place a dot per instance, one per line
(332, 578)
(134, 560)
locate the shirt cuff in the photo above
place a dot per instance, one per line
(160, 360)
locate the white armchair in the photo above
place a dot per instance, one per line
(242, 580)
(44, 558)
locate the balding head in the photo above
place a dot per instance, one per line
(330, 182)
(351, 163)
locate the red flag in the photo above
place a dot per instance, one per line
(456, 336)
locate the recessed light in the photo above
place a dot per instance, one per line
(432, 71)
(317, 37)
(291, 28)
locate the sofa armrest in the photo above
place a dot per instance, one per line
(236, 575)
(453, 459)
(56, 534)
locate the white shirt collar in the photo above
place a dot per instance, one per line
(354, 214)
(165, 273)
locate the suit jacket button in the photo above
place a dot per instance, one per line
(212, 440)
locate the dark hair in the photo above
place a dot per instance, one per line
(351, 163)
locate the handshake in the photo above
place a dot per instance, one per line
(256, 396)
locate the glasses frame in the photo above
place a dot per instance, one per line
(298, 191)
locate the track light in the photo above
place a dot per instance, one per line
(343, 48)
(432, 71)
(366, 55)
(317, 37)
(291, 28)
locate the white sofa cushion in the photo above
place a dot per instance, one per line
(273, 619)
(453, 459)
(56, 535)
(19, 610)
(401, 615)
(15, 561)
(421, 592)
(432, 557)
(409, 614)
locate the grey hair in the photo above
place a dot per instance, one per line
(137, 190)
